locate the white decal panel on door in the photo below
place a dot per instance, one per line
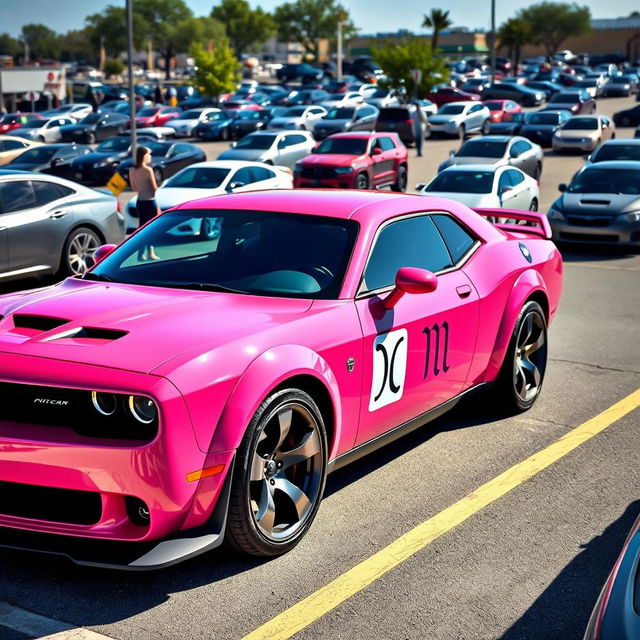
(389, 368)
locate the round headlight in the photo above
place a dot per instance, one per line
(143, 409)
(104, 403)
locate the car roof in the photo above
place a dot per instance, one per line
(616, 142)
(615, 164)
(478, 167)
(228, 164)
(494, 138)
(11, 172)
(365, 135)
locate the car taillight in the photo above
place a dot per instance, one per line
(408, 121)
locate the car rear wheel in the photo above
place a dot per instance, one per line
(534, 205)
(485, 128)
(520, 380)
(279, 475)
(401, 180)
(537, 172)
(77, 255)
(362, 182)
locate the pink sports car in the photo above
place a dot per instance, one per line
(191, 388)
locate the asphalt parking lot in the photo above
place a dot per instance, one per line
(529, 565)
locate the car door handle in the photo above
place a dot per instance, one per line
(60, 213)
(464, 291)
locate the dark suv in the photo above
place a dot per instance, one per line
(399, 120)
(303, 72)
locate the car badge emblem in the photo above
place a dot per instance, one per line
(351, 363)
(60, 403)
(525, 252)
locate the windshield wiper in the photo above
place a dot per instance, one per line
(199, 286)
(97, 276)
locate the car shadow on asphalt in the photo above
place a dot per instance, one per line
(595, 253)
(56, 588)
(564, 607)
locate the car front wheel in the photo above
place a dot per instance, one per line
(362, 182)
(279, 475)
(400, 184)
(520, 380)
(77, 255)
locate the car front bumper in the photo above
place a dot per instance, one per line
(573, 145)
(597, 230)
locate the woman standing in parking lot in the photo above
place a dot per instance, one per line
(419, 125)
(142, 180)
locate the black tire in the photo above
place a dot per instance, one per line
(537, 171)
(77, 253)
(251, 482)
(512, 388)
(224, 135)
(402, 179)
(485, 128)
(534, 205)
(40, 138)
(362, 181)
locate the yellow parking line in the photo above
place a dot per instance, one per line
(316, 605)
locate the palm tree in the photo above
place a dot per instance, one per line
(438, 20)
(513, 35)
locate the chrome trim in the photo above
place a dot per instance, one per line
(135, 414)
(96, 405)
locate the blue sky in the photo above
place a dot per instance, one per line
(370, 16)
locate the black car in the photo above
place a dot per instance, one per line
(246, 122)
(303, 72)
(96, 126)
(620, 86)
(540, 126)
(339, 119)
(54, 159)
(98, 166)
(516, 92)
(167, 158)
(627, 117)
(578, 101)
(548, 88)
(510, 125)
(216, 126)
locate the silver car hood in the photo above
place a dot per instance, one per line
(600, 203)
(473, 160)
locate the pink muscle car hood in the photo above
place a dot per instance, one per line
(131, 327)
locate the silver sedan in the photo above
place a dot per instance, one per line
(272, 147)
(51, 225)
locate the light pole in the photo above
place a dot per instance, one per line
(132, 95)
(341, 18)
(493, 41)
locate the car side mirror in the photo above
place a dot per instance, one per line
(103, 251)
(452, 153)
(410, 280)
(56, 162)
(232, 145)
(505, 189)
(562, 187)
(514, 154)
(420, 186)
(236, 185)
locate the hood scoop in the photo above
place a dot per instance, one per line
(86, 335)
(39, 324)
(601, 202)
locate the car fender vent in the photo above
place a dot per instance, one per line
(87, 333)
(40, 323)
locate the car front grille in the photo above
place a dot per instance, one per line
(590, 221)
(50, 504)
(317, 173)
(71, 408)
(588, 237)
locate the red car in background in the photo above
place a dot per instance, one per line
(157, 116)
(241, 105)
(500, 108)
(11, 121)
(443, 95)
(360, 160)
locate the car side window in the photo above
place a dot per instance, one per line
(504, 181)
(244, 176)
(457, 239)
(46, 192)
(412, 242)
(365, 112)
(292, 140)
(386, 144)
(515, 177)
(181, 148)
(17, 196)
(12, 145)
(259, 173)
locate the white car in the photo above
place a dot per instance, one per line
(302, 118)
(383, 98)
(76, 111)
(482, 185)
(459, 119)
(216, 177)
(347, 99)
(42, 130)
(185, 124)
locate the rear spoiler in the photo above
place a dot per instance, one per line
(510, 220)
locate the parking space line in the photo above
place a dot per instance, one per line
(314, 606)
(37, 626)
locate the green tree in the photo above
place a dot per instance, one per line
(309, 21)
(9, 46)
(110, 26)
(246, 27)
(514, 34)
(202, 30)
(164, 19)
(553, 22)
(438, 20)
(399, 60)
(114, 67)
(77, 45)
(217, 71)
(43, 42)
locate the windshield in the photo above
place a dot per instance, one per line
(482, 149)
(198, 178)
(617, 152)
(345, 146)
(494, 106)
(344, 113)
(250, 252)
(247, 115)
(543, 118)
(193, 114)
(158, 148)
(380, 93)
(114, 144)
(34, 124)
(37, 155)
(580, 124)
(619, 80)
(566, 98)
(148, 111)
(294, 112)
(462, 182)
(92, 118)
(217, 116)
(625, 181)
(393, 114)
(256, 142)
(450, 109)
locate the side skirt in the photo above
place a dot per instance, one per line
(374, 444)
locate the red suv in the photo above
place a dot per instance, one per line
(355, 161)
